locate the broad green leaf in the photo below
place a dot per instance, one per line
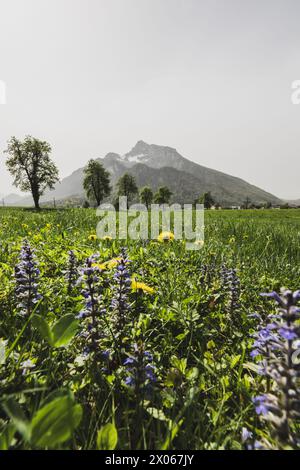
(14, 411)
(7, 436)
(55, 422)
(107, 437)
(64, 330)
(43, 327)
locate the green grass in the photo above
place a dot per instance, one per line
(202, 396)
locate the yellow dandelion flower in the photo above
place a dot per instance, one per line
(165, 237)
(24, 226)
(108, 264)
(113, 262)
(106, 238)
(92, 238)
(199, 242)
(135, 286)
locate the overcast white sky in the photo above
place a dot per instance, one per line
(211, 78)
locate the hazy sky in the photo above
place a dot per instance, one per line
(210, 78)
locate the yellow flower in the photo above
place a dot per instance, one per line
(199, 242)
(106, 238)
(165, 237)
(24, 226)
(135, 286)
(92, 238)
(108, 264)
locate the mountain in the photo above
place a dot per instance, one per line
(226, 189)
(294, 202)
(11, 199)
(156, 165)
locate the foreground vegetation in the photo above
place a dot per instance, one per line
(148, 347)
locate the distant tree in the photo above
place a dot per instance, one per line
(30, 164)
(127, 186)
(163, 195)
(96, 182)
(247, 203)
(146, 196)
(207, 200)
(285, 206)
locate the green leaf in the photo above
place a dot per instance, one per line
(64, 330)
(107, 437)
(43, 327)
(7, 436)
(179, 364)
(157, 414)
(15, 412)
(171, 435)
(55, 422)
(234, 361)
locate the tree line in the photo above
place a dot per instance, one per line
(33, 170)
(96, 183)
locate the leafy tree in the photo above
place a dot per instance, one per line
(127, 186)
(246, 203)
(96, 182)
(163, 195)
(30, 164)
(207, 200)
(146, 196)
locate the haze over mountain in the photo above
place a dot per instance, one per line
(11, 199)
(156, 165)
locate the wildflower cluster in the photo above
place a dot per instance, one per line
(71, 273)
(231, 286)
(276, 344)
(120, 301)
(27, 277)
(140, 369)
(93, 309)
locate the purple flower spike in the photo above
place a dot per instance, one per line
(27, 277)
(275, 343)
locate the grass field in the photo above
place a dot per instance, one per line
(153, 353)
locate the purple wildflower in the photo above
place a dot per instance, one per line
(27, 276)
(246, 434)
(276, 343)
(231, 286)
(71, 273)
(120, 301)
(93, 310)
(140, 369)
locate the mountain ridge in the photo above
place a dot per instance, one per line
(157, 165)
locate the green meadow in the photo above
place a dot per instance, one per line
(160, 362)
